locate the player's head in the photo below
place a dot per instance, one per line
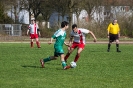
(32, 20)
(74, 27)
(64, 24)
(114, 21)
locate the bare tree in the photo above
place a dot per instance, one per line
(34, 7)
(46, 9)
(89, 6)
(11, 5)
(60, 7)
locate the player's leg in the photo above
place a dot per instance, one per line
(31, 43)
(111, 39)
(50, 58)
(60, 52)
(63, 61)
(117, 45)
(78, 54)
(80, 48)
(42, 61)
(68, 53)
(37, 41)
(109, 44)
(70, 50)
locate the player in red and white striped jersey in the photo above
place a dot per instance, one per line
(78, 37)
(34, 31)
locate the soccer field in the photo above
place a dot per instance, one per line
(96, 68)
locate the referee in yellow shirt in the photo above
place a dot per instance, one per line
(113, 34)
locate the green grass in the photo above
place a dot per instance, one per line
(96, 68)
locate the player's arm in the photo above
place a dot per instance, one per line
(118, 31)
(66, 44)
(108, 29)
(51, 40)
(119, 34)
(69, 43)
(28, 30)
(53, 37)
(39, 32)
(70, 40)
(95, 39)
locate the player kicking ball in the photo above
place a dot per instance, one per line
(78, 37)
(59, 37)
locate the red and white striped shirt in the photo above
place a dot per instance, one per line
(79, 37)
(33, 28)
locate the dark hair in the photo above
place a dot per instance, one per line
(74, 25)
(114, 20)
(63, 24)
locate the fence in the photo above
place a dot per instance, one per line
(11, 29)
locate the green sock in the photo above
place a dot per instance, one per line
(46, 59)
(63, 64)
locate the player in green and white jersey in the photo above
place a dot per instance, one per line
(59, 37)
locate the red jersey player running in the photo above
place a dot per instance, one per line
(34, 31)
(78, 34)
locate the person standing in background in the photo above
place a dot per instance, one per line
(34, 31)
(113, 33)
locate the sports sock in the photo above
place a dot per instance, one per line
(38, 44)
(31, 44)
(109, 46)
(76, 57)
(66, 57)
(47, 59)
(63, 64)
(117, 47)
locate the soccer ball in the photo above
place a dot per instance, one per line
(73, 64)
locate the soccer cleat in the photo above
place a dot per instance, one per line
(42, 63)
(67, 67)
(118, 51)
(39, 47)
(108, 50)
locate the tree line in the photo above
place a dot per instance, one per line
(65, 7)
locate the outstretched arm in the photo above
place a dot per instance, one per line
(93, 36)
(69, 43)
(66, 44)
(70, 40)
(51, 40)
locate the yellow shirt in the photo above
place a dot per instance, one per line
(113, 29)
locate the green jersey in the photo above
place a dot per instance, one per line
(60, 36)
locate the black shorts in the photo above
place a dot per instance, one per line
(57, 54)
(113, 37)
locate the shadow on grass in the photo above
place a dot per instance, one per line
(28, 66)
(96, 51)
